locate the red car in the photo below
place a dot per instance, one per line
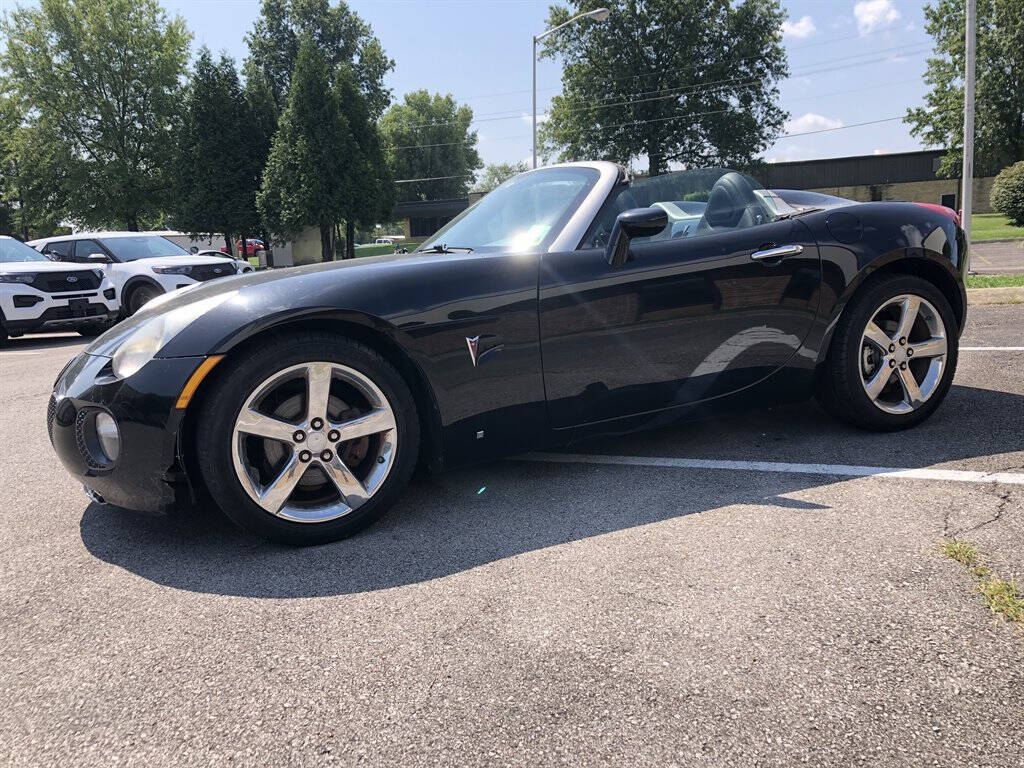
(252, 247)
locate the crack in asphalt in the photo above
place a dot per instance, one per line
(1004, 498)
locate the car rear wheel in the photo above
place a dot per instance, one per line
(309, 440)
(893, 355)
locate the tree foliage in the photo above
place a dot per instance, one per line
(496, 174)
(428, 137)
(220, 154)
(1008, 193)
(342, 37)
(999, 85)
(687, 82)
(98, 83)
(308, 178)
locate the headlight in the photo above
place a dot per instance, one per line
(26, 279)
(150, 337)
(186, 270)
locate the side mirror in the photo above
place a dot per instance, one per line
(636, 222)
(98, 258)
(194, 249)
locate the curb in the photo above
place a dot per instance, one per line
(1009, 295)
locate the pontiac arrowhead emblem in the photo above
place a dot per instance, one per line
(472, 344)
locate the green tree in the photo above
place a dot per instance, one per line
(691, 82)
(428, 137)
(371, 181)
(496, 174)
(307, 179)
(99, 84)
(219, 162)
(999, 86)
(341, 35)
(30, 174)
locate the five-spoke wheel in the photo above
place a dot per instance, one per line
(317, 448)
(903, 351)
(330, 459)
(892, 356)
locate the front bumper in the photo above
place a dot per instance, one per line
(63, 317)
(145, 476)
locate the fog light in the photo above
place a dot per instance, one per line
(109, 293)
(109, 436)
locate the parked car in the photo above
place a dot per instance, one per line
(252, 247)
(301, 400)
(242, 265)
(384, 241)
(37, 294)
(142, 265)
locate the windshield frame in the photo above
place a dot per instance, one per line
(107, 241)
(35, 255)
(565, 233)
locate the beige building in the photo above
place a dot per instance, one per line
(898, 176)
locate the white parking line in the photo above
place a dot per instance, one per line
(845, 470)
(992, 349)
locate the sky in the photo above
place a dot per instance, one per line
(852, 62)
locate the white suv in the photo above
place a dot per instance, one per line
(142, 265)
(37, 294)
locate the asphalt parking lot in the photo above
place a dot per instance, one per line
(650, 610)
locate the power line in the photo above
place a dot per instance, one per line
(783, 136)
(680, 90)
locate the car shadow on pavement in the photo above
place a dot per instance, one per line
(32, 343)
(471, 517)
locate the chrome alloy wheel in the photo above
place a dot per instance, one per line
(903, 354)
(314, 442)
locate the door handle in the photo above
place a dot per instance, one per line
(779, 252)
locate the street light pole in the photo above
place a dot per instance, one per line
(598, 14)
(967, 192)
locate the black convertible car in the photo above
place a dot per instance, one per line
(568, 302)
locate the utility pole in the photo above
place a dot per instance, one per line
(968, 171)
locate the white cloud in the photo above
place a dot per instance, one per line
(800, 29)
(542, 117)
(872, 15)
(811, 122)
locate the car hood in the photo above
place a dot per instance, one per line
(282, 291)
(189, 260)
(21, 267)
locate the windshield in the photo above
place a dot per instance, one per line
(142, 247)
(12, 250)
(698, 202)
(525, 213)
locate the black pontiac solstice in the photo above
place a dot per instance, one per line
(570, 301)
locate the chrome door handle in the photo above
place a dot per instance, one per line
(777, 253)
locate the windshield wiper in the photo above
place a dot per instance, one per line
(445, 248)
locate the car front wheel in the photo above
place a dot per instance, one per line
(309, 440)
(140, 296)
(893, 355)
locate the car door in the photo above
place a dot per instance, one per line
(84, 249)
(684, 320)
(60, 249)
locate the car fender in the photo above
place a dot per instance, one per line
(133, 282)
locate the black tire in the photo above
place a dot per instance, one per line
(139, 296)
(839, 385)
(236, 379)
